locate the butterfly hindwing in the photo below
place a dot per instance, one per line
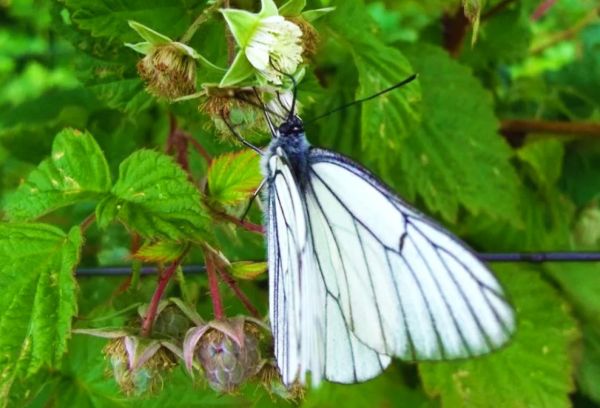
(309, 329)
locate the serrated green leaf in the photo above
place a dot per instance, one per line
(154, 197)
(388, 119)
(160, 251)
(109, 18)
(77, 170)
(39, 298)
(545, 157)
(233, 177)
(534, 369)
(248, 270)
(456, 158)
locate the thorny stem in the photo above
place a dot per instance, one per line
(213, 284)
(177, 143)
(160, 289)
(201, 19)
(85, 224)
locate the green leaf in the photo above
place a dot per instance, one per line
(313, 15)
(239, 70)
(233, 177)
(588, 376)
(456, 158)
(154, 197)
(248, 270)
(292, 8)
(389, 118)
(545, 157)
(387, 390)
(77, 170)
(109, 18)
(148, 34)
(160, 251)
(535, 368)
(39, 298)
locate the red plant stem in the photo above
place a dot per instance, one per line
(520, 127)
(231, 282)
(256, 228)
(85, 224)
(542, 9)
(199, 148)
(213, 284)
(160, 289)
(454, 29)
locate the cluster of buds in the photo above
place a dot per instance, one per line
(227, 351)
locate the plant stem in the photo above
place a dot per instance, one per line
(229, 37)
(568, 33)
(89, 220)
(201, 19)
(542, 9)
(256, 228)
(213, 284)
(160, 289)
(520, 127)
(231, 282)
(199, 148)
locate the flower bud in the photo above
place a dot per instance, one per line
(227, 350)
(168, 72)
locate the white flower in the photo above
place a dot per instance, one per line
(275, 47)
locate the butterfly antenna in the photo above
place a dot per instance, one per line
(368, 98)
(294, 87)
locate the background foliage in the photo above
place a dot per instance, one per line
(498, 141)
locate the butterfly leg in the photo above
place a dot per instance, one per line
(240, 137)
(254, 195)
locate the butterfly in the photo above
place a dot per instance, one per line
(357, 276)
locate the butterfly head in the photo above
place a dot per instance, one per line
(291, 127)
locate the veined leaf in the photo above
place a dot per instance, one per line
(248, 270)
(388, 119)
(77, 170)
(154, 197)
(534, 369)
(457, 158)
(545, 157)
(39, 298)
(588, 376)
(233, 177)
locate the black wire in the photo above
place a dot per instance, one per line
(528, 257)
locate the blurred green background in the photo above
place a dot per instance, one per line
(501, 144)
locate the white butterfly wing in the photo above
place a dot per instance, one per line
(309, 329)
(404, 286)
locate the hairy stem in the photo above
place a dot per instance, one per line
(165, 277)
(249, 226)
(199, 148)
(213, 284)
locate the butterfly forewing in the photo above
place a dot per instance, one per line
(404, 286)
